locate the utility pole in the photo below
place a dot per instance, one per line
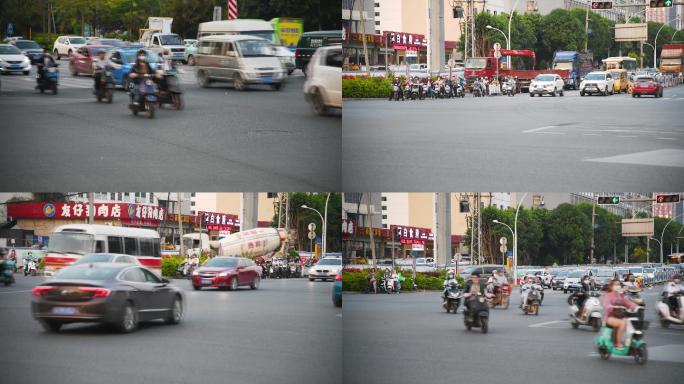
(442, 227)
(180, 226)
(586, 28)
(91, 207)
(363, 36)
(593, 230)
(370, 228)
(250, 202)
(435, 21)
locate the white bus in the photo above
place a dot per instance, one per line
(69, 242)
(252, 27)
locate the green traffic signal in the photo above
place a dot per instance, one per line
(608, 200)
(660, 3)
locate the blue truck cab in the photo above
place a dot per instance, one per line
(578, 65)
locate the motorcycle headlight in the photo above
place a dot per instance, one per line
(481, 299)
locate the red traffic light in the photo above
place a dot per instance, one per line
(667, 199)
(601, 5)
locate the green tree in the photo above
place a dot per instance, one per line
(559, 31)
(569, 230)
(300, 218)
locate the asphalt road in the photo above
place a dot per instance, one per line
(258, 140)
(287, 331)
(408, 338)
(515, 143)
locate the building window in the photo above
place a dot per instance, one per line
(192, 194)
(192, 203)
(384, 207)
(377, 5)
(377, 22)
(377, 14)
(384, 217)
(384, 198)
(384, 226)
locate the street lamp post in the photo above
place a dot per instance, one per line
(661, 247)
(323, 229)
(508, 41)
(515, 239)
(509, 228)
(663, 234)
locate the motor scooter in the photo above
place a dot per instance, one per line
(451, 297)
(593, 312)
(478, 315)
(634, 344)
(30, 268)
(143, 96)
(500, 295)
(531, 307)
(665, 315)
(634, 294)
(170, 91)
(7, 268)
(49, 80)
(105, 90)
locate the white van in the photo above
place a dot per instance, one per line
(252, 27)
(240, 59)
(69, 242)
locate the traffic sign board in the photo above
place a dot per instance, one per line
(497, 54)
(312, 227)
(312, 235)
(10, 29)
(497, 46)
(503, 249)
(503, 240)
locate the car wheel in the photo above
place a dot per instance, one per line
(175, 312)
(70, 52)
(277, 86)
(129, 319)
(561, 92)
(553, 94)
(196, 287)
(310, 279)
(633, 95)
(73, 70)
(238, 83)
(26, 73)
(55, 53)
(51, 325)
(203, 79)
(255, 283)
(234, 284)
(337, 302)
(317, 102)
(531, 94)
(565, 291)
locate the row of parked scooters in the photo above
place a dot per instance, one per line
(422, 91)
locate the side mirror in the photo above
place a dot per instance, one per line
(165, 280)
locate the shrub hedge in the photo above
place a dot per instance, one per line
(357, 280)
(366, 87)
(170, 264)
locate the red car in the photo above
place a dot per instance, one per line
(81, 61)
(227, 273)
(647, 85)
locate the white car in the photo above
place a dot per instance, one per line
(547, 84)
(66, 45)
(326, 269)
(597, 82)
(323, 85)
(286, 57)
(12, 60)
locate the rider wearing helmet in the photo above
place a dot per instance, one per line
(100, 63)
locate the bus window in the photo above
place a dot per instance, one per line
(131, 246)
(155, 248)
(114, 245)
(99, 246)
(147, 247)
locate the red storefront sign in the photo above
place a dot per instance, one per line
(214, 221)
(137, 214)
(412, 235)
(405, 41)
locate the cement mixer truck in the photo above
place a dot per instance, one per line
(264, 242)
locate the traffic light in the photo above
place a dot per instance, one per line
(457, 12)
(464, 206)
(667, 198)
(602, 4)
(661, 3)
(608, 200)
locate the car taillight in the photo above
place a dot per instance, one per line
(41, 289)
(97, 292)
(338, 277)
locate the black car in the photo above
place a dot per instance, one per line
(117, 294)
(30, 49)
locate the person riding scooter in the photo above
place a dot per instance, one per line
(473, 287)
(525, 290)
(614, 298)
(100, 64)
(47, 61)
(139, 70)
(672, 291)
(580, 296)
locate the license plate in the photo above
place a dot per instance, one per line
(266, 79)
(15, 66)
(206, 281)
(64, 310)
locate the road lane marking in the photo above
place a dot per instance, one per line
(660, 157)
(627, 136)
(547, 323)
(592, 134)
(540, 129)
(666, 138)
